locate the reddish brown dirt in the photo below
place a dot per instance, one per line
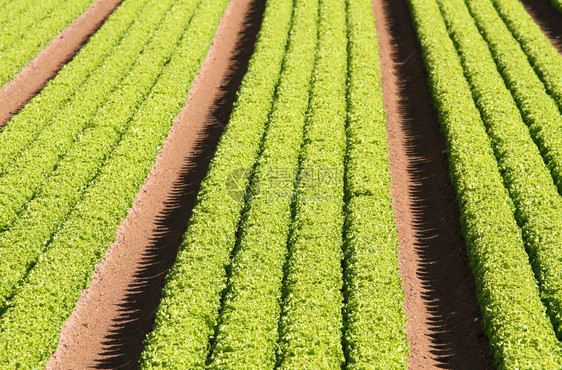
(114, 314)
(444, 318)
(548, 18)
(16, 93)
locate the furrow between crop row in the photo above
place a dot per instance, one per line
(26, 35)
(190, 305)
(537, 202)
(263, 288)
(20, 182)
(39, 113)
(30, 326)
(515, 320)
(66, 185)
(247, 331)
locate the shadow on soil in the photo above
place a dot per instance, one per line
(456, 335)
(123, 347)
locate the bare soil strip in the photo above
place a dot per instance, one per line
(114, 314)
(548, 18)
(444, 319)
(31, 79)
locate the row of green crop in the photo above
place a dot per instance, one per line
(539, 110)
(39, 112)
(520, 333)
(278, 301)
(190, 304)
(374, 320)
(247, 331)
(13, 9)
(66, 184)
(543, 56)
(22, 130)
(27, 33)
(31, 323)
(29, 178)
(17, 27)
(19, 182)
(528, 181)
(5, 3)
(310, 332)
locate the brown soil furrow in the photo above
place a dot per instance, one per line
(548, 18)
(114, 314)
(444, 319)
(31, 79)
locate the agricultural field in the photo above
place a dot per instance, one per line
(293, 184)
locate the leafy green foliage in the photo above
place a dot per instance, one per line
(24, 33)
(190, 305)
(311, 320)
(74, 173)
(246, 325)
(374, 319)
(40, 111)
(539, 110)
(538, 204)
(543, 56)
(12, 10)
(515, 320)
(30, 326)
(20, 181)
(247, 332)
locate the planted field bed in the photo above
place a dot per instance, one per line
(48, 60)
(28, 25)
(483, 96)
(280, 184)
(85, 157)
